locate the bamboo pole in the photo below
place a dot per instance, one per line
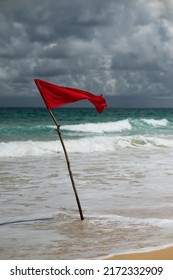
(68, 164)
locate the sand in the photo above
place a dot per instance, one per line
(162, 254)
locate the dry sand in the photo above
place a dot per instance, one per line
(162, 254)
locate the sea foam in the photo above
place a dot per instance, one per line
(81, 145)
(117, 126)
(153, 122)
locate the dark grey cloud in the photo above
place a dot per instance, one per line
(120, 48)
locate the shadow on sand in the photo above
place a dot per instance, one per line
(25, 221)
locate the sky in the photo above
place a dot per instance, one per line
(122, 49)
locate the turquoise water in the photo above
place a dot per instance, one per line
(122, 165)
(36, 125)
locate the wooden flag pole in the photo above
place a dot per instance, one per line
(68, 164)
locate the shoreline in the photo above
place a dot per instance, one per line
(165, 253)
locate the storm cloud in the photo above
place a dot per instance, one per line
(121, 48)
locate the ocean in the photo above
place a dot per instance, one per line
(121, 162)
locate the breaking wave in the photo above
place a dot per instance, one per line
(153, 122)
(120, 127)
(125, 125)
(34, 140)
(81, 145)
(117, 126)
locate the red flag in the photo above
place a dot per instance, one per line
(55, 96)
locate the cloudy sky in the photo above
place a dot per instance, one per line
(121, 48)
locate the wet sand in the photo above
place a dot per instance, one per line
(162, 254)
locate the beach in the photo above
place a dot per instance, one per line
(122, 166)
(162, 254)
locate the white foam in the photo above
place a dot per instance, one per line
(127, 222)
(153, 122)
(100, 127)
(27, 148)
(81, 145)
(37, 148)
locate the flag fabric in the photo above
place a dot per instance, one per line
(55, 95)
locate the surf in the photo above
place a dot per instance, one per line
(82, 145)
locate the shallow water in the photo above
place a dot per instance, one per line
(122, 165)
(126, 196)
